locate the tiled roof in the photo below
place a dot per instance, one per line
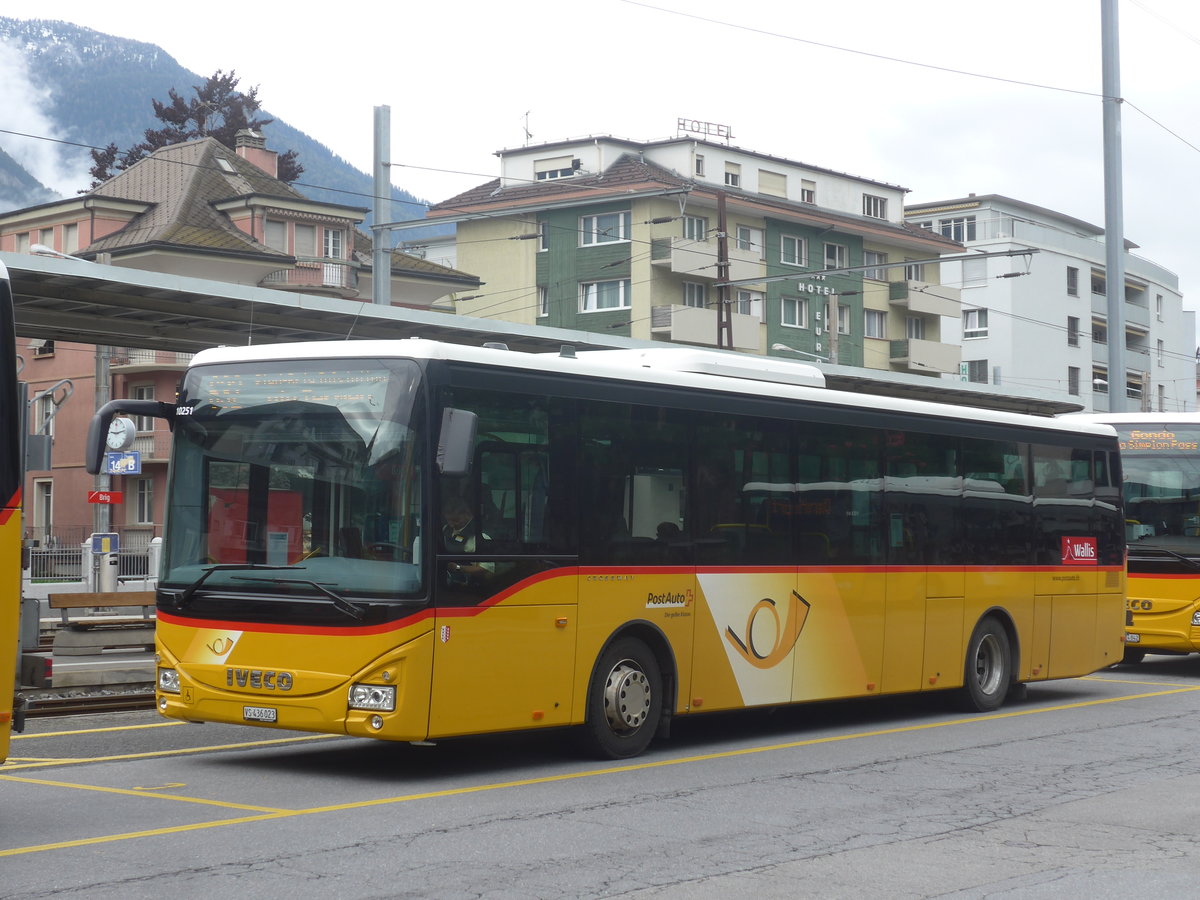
(183, 181)
(407, 264)
(629, 173)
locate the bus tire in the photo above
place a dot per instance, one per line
(624, 701)
(1132, 657)
(987, 672)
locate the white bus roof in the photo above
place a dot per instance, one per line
(670, 366)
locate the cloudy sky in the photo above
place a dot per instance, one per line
(944, 98)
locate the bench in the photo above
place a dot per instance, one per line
(93, 634)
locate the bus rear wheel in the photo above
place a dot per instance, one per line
(624, 700)
(988, 669)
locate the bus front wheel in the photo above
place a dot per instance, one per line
(988, 669)
(624, 700)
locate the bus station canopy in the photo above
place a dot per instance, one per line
(77, 300)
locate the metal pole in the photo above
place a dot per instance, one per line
(724, 309)
(1114, 221)
(381, 255)
(102, 512)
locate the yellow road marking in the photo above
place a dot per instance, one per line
(552, 779)
(51, 734)
(141, 793)
(155, 754)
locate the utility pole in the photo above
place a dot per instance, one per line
(381, 253)
(724, 309)
(832, 327)
(1114, 221)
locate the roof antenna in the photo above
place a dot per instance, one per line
(528, 134)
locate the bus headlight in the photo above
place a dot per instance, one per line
(168, 681)
(373, 696)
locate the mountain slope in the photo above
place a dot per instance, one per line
(93, 89)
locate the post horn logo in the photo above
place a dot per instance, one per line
(220, 646)
(786, 634)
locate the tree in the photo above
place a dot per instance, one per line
(218, 110)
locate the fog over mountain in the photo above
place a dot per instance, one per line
(68, 89)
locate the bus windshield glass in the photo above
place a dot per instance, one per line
(1161, 465)
(297, 479)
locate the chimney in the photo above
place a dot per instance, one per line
(252, 147)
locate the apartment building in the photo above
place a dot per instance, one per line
(651, 240)
(1041, 320)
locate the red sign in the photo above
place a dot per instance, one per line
(1079, 551)
(106, 497)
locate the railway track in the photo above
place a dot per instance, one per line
(47, 703)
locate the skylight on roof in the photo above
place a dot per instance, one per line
(226, 165)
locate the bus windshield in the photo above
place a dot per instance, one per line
(298, 480)
(1161, 466)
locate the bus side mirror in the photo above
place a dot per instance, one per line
(98, 428)
(456, 442)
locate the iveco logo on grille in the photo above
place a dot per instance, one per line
(259, 679)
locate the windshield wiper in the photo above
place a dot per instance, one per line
(184, 597)
(351, 609)
(1186, 560)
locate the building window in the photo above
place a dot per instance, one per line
(306, 241)
(46, 238)
(877, 263)
(772, 183)
(1099, 332)
(333, 243)
(808, 191)
(1133, 386)
(1159, 352)
(914, 271)
(23, 242)
(699, 166)
(1073, 380)
(543, 300)
(928, 226)
(1072, 331)
(1100, 379)
(1162, 398)
(794, 312)
(977, 371)
(143, 392)
(961, 228)
(749, 303)
(1099, 282)
(43, 411)
(793, 251)
(874, 323)
(750, 239)
(975, 323)
(143, 493)
(733, 175)
(695, 228)
(694, 295)
(556, 167)
(914, 328)
(543, 236)
(1158, 306)
(601, 295)
(836, 256)
(43, 507)
(875, 207)
(70, 238)
(42, 347)
(275, 235)
(604, 228)
(974, 271)
(843, 318)
(1072, 281)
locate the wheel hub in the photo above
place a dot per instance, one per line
(626, 697)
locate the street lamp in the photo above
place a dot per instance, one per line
(785, 348)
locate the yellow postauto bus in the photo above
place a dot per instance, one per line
(10, 513)
(1160, 454)
(413, 540)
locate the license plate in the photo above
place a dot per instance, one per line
(260, 713)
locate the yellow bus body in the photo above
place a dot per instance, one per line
(736, 638)
(1162, 609)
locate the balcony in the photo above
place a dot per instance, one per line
(693, 325)
(132, 360)
(925, 357)
(317, 276)
(154, 447)
(929, 299)
(698, 259)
